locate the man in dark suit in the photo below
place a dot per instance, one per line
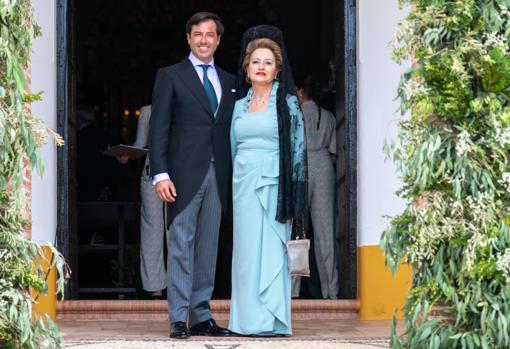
(189, 149)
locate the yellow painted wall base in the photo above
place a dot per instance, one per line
(47, 304)
(380, 293)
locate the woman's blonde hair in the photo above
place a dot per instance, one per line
(262, 43)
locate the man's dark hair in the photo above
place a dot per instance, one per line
(200, 17)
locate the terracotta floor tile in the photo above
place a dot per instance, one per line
(146, 330)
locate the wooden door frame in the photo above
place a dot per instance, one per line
(67, 238)
(348, 234)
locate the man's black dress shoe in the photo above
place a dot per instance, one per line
(209, 328)
(179, 330)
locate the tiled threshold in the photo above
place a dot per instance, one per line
(157, 309)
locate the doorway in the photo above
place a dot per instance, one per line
(108, 54)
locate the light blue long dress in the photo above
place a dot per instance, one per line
(261, 284)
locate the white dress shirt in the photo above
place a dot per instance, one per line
(212, 74)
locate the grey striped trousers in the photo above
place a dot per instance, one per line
(192, 250)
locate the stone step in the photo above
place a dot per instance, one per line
(157, 309)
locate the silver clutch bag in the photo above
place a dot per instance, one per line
(297, 254)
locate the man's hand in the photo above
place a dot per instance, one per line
(123, 159)
(165, 190)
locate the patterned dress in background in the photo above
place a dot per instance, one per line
(320, 143)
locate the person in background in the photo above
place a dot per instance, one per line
(320, 126)
(152, 226)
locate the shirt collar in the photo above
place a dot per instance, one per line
(195, 61)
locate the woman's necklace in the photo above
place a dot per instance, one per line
(260, 100)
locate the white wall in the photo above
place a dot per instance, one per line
(44, 190)
(378, 78)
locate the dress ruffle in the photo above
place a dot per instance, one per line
(273, 237)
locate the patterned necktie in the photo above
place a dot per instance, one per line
(209, 89)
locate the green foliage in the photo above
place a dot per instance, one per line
(496, 72)
(453, 157)
(21, 135)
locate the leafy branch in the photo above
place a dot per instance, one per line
(21, 136)
(453, 156)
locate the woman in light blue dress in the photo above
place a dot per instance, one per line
(267, 191)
